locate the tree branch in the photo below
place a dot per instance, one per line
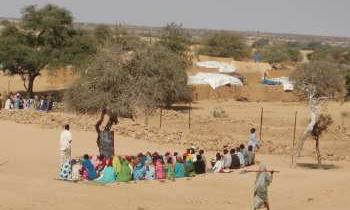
(99, 122)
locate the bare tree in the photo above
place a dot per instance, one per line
(318, 82)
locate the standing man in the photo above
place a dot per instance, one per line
(263, 180)
(65, 145)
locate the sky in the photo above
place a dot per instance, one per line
(317, 17)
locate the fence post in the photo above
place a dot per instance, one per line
(160, 117)
(189, 116)
(261, 122)
(294, 131)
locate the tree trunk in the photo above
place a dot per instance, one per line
(318, 153)
(31, 85)
(107, 143)
(98, 129)
(105, 138)
(313, 106)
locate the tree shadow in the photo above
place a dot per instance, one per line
(181, 108)
(315, 166)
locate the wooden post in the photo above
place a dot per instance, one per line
(318, 153)
(189, 116)
(294, 131)
(8, 85)
(160, 117)
(261, 122)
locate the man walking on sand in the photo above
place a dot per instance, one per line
(263, 180)
(65, 145)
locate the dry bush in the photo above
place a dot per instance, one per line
(219, 112)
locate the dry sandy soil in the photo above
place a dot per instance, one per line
(27, 180)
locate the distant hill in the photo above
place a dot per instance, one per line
(197, 34)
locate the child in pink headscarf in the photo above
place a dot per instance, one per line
(159, 169)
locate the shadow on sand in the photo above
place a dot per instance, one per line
(315, 166)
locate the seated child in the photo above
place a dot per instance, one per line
(89, 172)
(199, 165)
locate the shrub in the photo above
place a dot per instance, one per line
(224, 44)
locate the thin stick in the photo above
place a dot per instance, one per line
(3, 163)
(294, 131)
(160, 117)
(189, 116)
(261, 122)
(257, 171)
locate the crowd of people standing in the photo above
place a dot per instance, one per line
(18, 102)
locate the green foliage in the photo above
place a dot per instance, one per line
(224, 44)
(153, 76)
(102, 34)
(280, 53)
(333, 54)
(118, 37)
(162, 74)
(323, 78)
(45, 38)
(175, 38)
(314, 45)
(260, 43)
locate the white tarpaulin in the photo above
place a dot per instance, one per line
(223, 67)
(214, 80)
(287, 85)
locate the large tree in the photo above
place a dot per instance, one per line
(319, 82)
(175, 38)
(122, 84)
(44, 39)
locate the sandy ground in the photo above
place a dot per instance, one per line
(27, 180)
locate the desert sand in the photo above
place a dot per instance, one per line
(27, 180)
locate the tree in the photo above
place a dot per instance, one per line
(318, 81)
(279, 53)
(45, 38)
(261, 43)
(339, 55)
(175, 38)
(119, 85)
(225, 44)
(103, 33)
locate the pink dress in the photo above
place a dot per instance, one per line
(159, 170)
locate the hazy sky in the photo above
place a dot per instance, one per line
(322, 17)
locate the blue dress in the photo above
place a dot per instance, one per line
(179, 170)
(87, 165)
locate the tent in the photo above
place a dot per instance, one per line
(223, 67)
(213, 79)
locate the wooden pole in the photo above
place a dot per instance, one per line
(160, 117)
(261, 122)
(189, 116)
(294, 131)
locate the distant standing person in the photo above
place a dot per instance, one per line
(65, 145)
(253, 139)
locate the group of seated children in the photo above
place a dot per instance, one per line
(141, 167)
(234, 158)
(155, 166)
